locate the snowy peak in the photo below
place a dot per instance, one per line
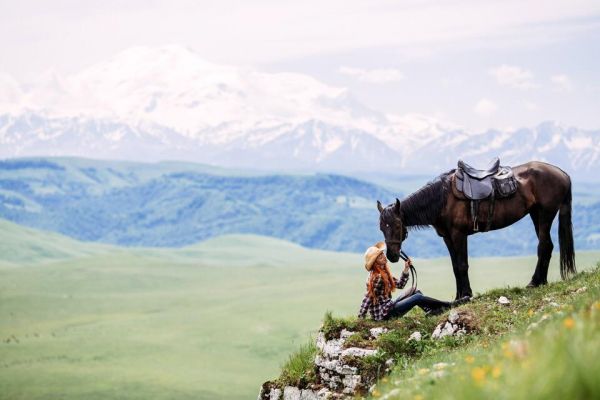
(174, 87)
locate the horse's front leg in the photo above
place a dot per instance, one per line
(450, 247)
(461, 258)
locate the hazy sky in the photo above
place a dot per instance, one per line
(480, 64)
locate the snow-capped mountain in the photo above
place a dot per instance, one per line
(161, 103)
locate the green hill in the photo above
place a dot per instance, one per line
(540, 343)
(212, 320)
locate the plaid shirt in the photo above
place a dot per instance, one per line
(379, 311)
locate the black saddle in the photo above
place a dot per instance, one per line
(480, 184)
(480, 173)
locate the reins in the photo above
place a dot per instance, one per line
(404, 256)
(413, 273)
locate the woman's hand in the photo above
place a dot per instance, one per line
(407, 265)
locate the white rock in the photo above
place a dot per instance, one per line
(440, 365)
(344, 334)
(554, 304)
(581, 289)
(416, 336)
(357, 352)
(350, 382)
(291, 393)
(275, 394)
(346, 370)
(453, 316)
(324, 394)
(325, 363)
(503, 300)
(375, 332)
(307, 394)
(438, 374)
(437, 331)
(331, 348)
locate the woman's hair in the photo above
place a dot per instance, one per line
(388, 281)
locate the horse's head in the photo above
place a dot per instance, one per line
(394, 231)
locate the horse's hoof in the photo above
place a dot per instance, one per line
(533, 284)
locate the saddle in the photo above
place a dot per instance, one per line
(493, 182)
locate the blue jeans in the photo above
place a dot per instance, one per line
(401, 306)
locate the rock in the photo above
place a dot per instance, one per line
(416, 336)
(436, 333)
(554, 304)
(389, 362)
(453, 316)
(345, 334)
(346, 370)
(324, 394)
(357, 352)
(350, 383)
(503, 300)
(581, 289)
(275, 394)
(307, 394)
(440, 365)
(291, 393)
(375, 332)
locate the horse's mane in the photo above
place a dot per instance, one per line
(420, 209)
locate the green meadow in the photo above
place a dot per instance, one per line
(214, 320)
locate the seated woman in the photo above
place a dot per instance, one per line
(380, 285)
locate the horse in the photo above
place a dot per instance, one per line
(543, 190)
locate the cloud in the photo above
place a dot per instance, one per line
(377, 75)
(530, 106)
(485, 107)
(562, 83)
(513, 76)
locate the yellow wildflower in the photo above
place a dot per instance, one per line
(530, 312)
(470, 359)
(478, 374)
(496, 372)
(384, 380)
(569, 323)
(376, 393)
(423, 371)
(597, 305)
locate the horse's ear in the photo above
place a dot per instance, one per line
(379, 206)
(397, 207)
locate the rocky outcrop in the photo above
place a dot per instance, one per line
(348, 363)
(457, 323)
(337, 368)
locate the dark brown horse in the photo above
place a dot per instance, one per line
(543, 191)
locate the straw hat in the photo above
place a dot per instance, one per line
(372, 253)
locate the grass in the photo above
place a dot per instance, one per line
(298, 369)
(213, 320)
(545, 345)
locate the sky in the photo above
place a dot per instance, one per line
(478, 64)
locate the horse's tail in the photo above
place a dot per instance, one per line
(565, 237)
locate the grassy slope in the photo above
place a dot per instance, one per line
(545, 345)
(208, 321)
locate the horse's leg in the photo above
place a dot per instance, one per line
(450, 247)
(459, 242)
(545, 247)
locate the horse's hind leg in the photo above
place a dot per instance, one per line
(542, 220)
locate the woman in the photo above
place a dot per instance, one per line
(380, 285)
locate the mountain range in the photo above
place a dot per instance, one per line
(174, 204)
(167, 103)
